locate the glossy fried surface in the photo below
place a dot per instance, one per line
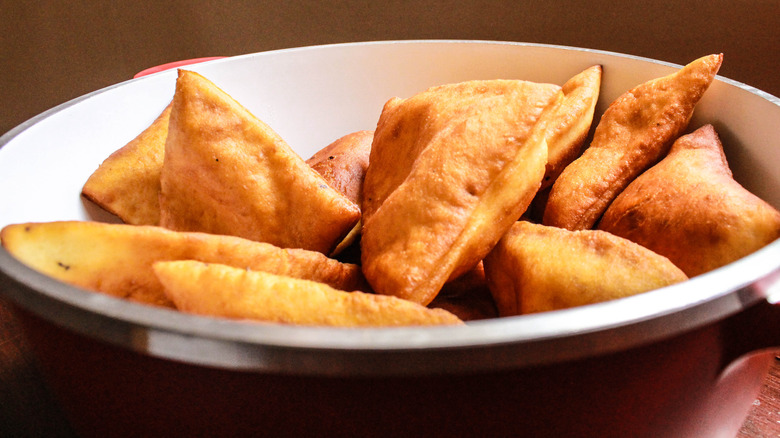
(343, 163)
(566, 122)
(117, 259)
(634, 133)
(227, 172)
(127, 183)
(537, 268)
(689, 208)
(450, 170)
(220, 290)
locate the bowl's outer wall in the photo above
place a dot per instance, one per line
(673, 388)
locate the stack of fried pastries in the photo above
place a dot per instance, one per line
(466, 201)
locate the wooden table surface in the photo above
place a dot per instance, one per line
(28, 409)
(764, 417)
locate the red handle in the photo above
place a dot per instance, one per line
(174, 64)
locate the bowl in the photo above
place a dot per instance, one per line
(672, 362)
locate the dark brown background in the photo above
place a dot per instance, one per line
(52, 51)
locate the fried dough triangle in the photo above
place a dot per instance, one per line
(226, 172)
(219, 290)
(690, 209)
(117, 259)
(536, 268)
(343, 164)
(634, 133)
(450, 170)
(127, 183)
(566, 122)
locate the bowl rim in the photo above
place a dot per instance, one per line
(479, 345)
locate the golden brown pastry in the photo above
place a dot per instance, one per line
(450, 170)
(690, 209)
(127, 183)
(468, 296)
(633, 134)
(116, 259)
(343, 164)
(536, 268)
(226, 291)
(566, 122)
(226, 172)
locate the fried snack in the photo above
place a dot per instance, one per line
(343, 164)
(225, 291)
(536, 268)
(116, 259)
(633, 134)
(127, 183)
(467, 297)
(450, 170)
(566, 122)
(226, 172)
(690, 209)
